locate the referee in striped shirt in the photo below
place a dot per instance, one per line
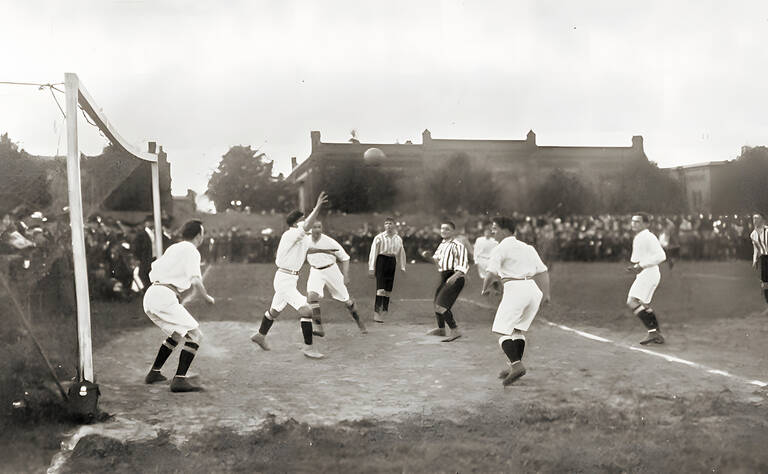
(387, 253)
(759, 238)
(452, 261)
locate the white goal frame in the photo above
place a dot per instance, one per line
(76, 94)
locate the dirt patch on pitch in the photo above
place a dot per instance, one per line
(533, 437)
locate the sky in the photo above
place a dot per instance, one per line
(199, 77)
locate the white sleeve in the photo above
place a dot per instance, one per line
(340, 254)
(495, 260)
(539, 265)
(192, 263)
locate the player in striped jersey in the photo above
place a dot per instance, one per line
(387, 253)
(452, 261)
(759, 237)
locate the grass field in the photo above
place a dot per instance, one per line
(395, 400)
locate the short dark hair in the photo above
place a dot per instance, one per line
(293, 217)
(505, 223)
(389, 219)
(449, 223)
(149, 218)
(644, 215)
(191, 229)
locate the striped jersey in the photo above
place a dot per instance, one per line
(451, 255)
(759, 238)
(385, 244)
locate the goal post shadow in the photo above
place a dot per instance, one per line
(77, 95)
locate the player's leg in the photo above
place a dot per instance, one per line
(315, 284)
(639, 300)
(334, 280)
(513, 346)
(192, 342)
(764, 276)
(440, 329)
(645, 313)
(314, 304)
(389, 283)
(305, 321)
(281, 284)
(166, 349)
(444, 304)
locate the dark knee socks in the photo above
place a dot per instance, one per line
(513, 348)
(266, 323)
(185, 358)
(306, 330)
(165, 351)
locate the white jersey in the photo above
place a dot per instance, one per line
(385, 244)
(483, 247)
(515, 259)
(292, 249)
(647, 250)
(320, 260)
(178, 265)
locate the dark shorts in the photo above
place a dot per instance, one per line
(385, 272)
(763, 259)
(446, 294)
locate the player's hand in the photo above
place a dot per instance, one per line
(634, 268)
(322, 199)
(546, 300)
(346, 280)
(210, 299)
(370, 274)
(402, 269)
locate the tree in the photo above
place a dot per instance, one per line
(244, 178)
(563, 193)
(749, 180)
(357, 187)
(23, 178)
(641, 186)
(457, 185)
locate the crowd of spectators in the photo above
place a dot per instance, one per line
(36, 248)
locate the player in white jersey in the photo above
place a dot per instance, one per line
(173, 273)
(291, 253)
(324, 272)
(526, 283)
(647, 254)
(482, 250)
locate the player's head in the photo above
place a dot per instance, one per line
(317, 229)
(640, 221)
(192, 231)
(487, 231)
(503, 226)
(389, 224)
(149, 220)
(293, 217)
(447, 229)
(758, 218)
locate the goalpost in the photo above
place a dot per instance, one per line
(76, 94)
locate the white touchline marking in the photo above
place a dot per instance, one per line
(666, 357)
(716, 276)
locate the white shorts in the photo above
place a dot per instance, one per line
(518, 306)
(330, 277)
(645, 285)
(162, 306)
(286, 292)
(482, 268)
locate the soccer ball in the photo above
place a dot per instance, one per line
(373, 155)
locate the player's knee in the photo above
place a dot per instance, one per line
(195, 335)
(440, 310)
(305, 311)
(381, 293)
(176, 337)
(350, 303)
(505, 338)
(272, 313)
(313, 297)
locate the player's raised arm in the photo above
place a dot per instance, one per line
(401, 255)
(321, 199)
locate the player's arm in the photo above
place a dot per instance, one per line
(316, 250)
(321, 199)
(492, 272)
(372, 256)
(541, 277)
(345, 271)
(755, 251)
(199, 288)
(401, 256)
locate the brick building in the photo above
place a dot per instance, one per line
(519, 164)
